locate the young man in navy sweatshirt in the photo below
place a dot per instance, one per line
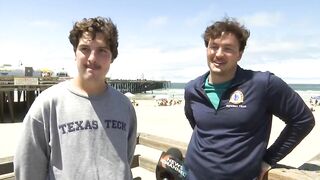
(230, 110)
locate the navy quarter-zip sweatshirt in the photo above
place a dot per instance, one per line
(230, 142)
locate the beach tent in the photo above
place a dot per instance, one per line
(157, 97)
(315, 100)
(316, 97)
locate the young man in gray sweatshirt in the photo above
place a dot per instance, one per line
(81, 128)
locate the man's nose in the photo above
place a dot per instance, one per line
(219, 52)
(92, 56)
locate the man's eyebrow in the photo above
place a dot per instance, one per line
(223, 44)
(83, 45)
(229, 45)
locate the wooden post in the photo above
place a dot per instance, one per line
(19, 96)
(30, 98)
(1, 106)
(10, 104)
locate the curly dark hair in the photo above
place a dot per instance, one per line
(94, 26)
(229, 25)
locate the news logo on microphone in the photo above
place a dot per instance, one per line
(170, 166)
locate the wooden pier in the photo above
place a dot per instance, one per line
(18, 93)
(137, 86)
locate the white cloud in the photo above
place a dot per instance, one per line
(263, 19)
(36, 56)
(157, 22)
(273, 46)
(208, 14)
(197, 19)
(46, 24)
(291, 70)
(152, 63)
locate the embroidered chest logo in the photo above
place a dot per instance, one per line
(236, 97)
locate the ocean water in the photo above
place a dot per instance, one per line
(306, 91)
(176, 90)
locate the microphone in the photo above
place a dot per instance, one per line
(170, 166)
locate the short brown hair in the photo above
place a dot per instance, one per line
(93, 26)
(229, 25)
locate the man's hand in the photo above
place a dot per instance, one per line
(265, 167)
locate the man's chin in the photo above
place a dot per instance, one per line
(89, 76)
(216, 70)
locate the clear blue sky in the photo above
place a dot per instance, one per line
(161, 40)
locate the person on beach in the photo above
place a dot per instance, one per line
(230, 110)
(81, 128)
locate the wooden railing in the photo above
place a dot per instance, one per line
(155, 142)
(6, 168)
(308, 171)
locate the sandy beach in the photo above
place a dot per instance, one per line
(170, 122)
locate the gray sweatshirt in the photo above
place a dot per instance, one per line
(71, 136)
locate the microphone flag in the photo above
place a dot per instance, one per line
(170, 166)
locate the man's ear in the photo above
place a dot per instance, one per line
(240, 55)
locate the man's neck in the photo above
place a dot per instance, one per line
(217, 78)
(90, 87)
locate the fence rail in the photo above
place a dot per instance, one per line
(308, 171)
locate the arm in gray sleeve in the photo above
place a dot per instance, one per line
(31, 159)
(132, 138)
